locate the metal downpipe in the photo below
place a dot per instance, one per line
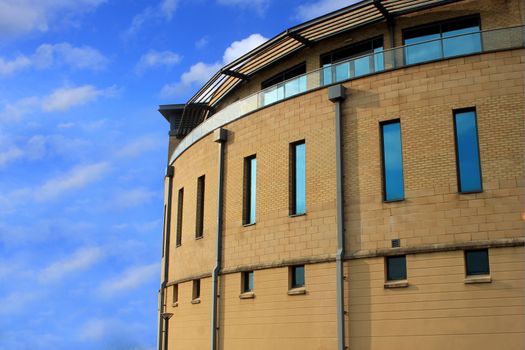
(337, 94)
(220, 136)
(163, 320)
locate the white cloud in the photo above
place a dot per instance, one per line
(201, 72)
(18, 63)
(320, 7)
(158, 58)
(163, 11)
(33, 148)
(95, 329)
(19, 17)
(17, 301)
(64, 99)
(130, 279)
(75, 178)
(55, 55)
(140, 145)
(239, 48)
(133, 197)
(78, 261)
(202, 43)
(258, 5)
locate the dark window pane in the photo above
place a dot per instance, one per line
(468, 163)
(199, 225)
(477, 262)
(196, 289)
(392, 161)
(248, 281)
(180, 203)
(396, 268)
(297, 276)
(175, 293)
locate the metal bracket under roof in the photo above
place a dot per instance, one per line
(235, 74)
(383, 10)
(299, 38)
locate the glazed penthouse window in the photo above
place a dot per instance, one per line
(283, 85)
(199, 224)
(298, 178)
(250, 190)
(393, 188)
(445, 39)
(353, 61)
(467, 151)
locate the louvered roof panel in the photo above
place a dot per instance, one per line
(354, 16)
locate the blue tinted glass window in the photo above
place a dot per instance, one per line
(379, 61)
(392, 161)
(297, 276)
(461, 45)
(425, 51)
(253, 188)
(446, 39)
(327, 74)
(468, 164)
(299, 179)
(362, 65)
(477, 262)
(396, 268)
(250, 190)
(342, 71)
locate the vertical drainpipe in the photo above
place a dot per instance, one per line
(337, 94)
(163, 316)
(220, 136)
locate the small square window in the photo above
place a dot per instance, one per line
(396, 268)
(175, 296)
(196, 294)
(477, 262)
(297, 276)
(247, 281)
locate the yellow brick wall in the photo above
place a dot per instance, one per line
(423, 98)
(438, 310)
(276, 320)
(194, 257)
(189, 327)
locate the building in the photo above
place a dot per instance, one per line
(355, 182)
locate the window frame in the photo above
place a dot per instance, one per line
(175, 294)
(196, 290)
(283, 76)
(383, 167)
(199, 211)
(245, 281)
(180, 212)
(293, 275)
(458, 171)
(247, 191)
(292, 192)
(388, 259)
(483, 273)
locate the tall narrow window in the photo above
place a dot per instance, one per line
(250, 189)
(180, 203)
(298, 178)
(199, 225)
(196, 292)
(393, 188)
(175, 295)
(164, 232)
(247, 282)
(296, 276)
(467, 151)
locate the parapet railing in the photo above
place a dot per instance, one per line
(357, 67)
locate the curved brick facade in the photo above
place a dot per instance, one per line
(437, 307)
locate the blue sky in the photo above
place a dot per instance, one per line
(83, 153)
